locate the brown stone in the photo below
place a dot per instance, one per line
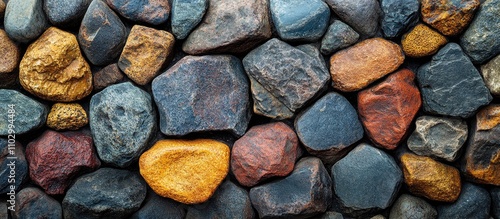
(67, 116)
(422, 41)
(450, 17)
(2, 8)
(106, 76)
(265, 151)
(54, 69)
(145, 52)
(356, 67)
(388, 108)
(431, 179)
(9, 53)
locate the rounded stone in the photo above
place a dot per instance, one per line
(67, 116)
(338, 36)
(450, 17)
(422, 41)
(362, 15)
(26, 113)
(186, 15)
(491, 75)
(473, 203)
(31, 202)
(9, 150)
(25, 20)
(62, 13)
(411, 207)
(153, 12)
(9, 53)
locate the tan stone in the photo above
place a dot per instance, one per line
(450, 17)
(188, 171)
(422, 41)
(9, 53)
(491, 75)
(54, 69)
(67, 116)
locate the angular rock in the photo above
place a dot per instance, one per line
(474, 203)
(491, 75)
(204, 93)
(449, 79)
(338, 36)
(495, 202)
(28, 114)
(431, 179)
(251, 27)
(153, 12)
(399, 16)
(158, 207)
(422, 41)
(7, 152)
(328, 127)
(122, 121)
(388, 108)
(102, 34)
(25, 20)
(265, 104)
(265, 151)
(186, 15)
(55, 159)
(331, 215)
(107, 76)
(362, 15)
(9, 53)
(304, 193)
(366, 180)
(450, 17)
(356, 67)
(106, 193)
(438, 137)
(31, 202)
(408, 206)
(312, 50)
(191, 169)
(62, 12)
(67, 116)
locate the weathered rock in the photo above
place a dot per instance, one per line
(24, 20)
(158, 207)
(9, 54)
(61, 12)
(106, 193)
(356, 67)
(251, 27)
(54, 69)
(186, 15)
(8, 150)
(265, 104)
(107, 76)
(67, 116)
(438, 137)
(422, 41)
(328, 127)
(362, 15)
(31, 202)
(474, 203)
(330, 215)
(491, 75)
(431, 179)
(102, 34)
(449, 79)
(495, 202)
(338, 36)
(399, 16)
(312, 49)
(191, 169)
(450, 17)
(27, 114)
(205, 93)
(153, 12)
(366, 180)
(408, 206)
(122, 121)
(304, 193)
(388, 108)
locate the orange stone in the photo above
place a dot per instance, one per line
(450, 17)
(422, 41)
(356, 67)
(9, 53)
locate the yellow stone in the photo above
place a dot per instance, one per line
(431, 179)
(67, 116)
(54, 69)
(9, 53)
(188, 171)
(422, 41)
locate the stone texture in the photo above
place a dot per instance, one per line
(62, 12)
(67, 116)
(265, 104)
(411, 207)
(474, 203)
(190, 170)
(338, 36)
(102, 34)
(399, 16)
(2, 8)
(491, 75)
(25, 20)
(297, 20)
(153, 12)
(21, 165)
(388, 108)
(362, 15)
(186, 15)
(438, 137)
(330, 215)
(449, 79)
(265, 151)
(106, 193)
(328, 127)
(422, 41)
(450, 17)
(304, 193)
(54, 69)
(366, 180)
(31, 202)
(55, 159)
(204, 93)
(4, 212)
(156, 206)
(29, 113)
(251, 27)
(358, 66)
(107, 76)
(9, 53)
(431, 179)
(495, 202)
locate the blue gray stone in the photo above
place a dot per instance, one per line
(449, 79)
(155, 207)
(473, 203)
(362, 15)
(495, 202)
(64, 12)
(34, 203)
(29, 113)
(153, 12)
(338, 36)
(21, 166)
(25, 20)
(411, 207)
(122, 121)
(186, 14)
(399, 16)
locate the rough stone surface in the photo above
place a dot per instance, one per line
(29, 113)
(67, 116)
(491, 75)
(366, 180)
(328, 127)
(106, 193)
(431, 179)
(422, 41)
(186, 15)
(102, 34)
(9, 53)
(204, 93)
(107, 76)
(21, 165)
(388, 108)
(191, 169)
(474, 203)
(25, 20)
(438, 137)
(145, 52)
(411, 207)
(156, 206)
(153, 12)
(265, 104)
(31, 202)
(338, 36)
(399, 16)
(304, 193)
(54, 69)
(495, 202)
(62, 12)
(55, 159)
(123, 121)
(362, 15)
(233, 35)
(450, 17)
(449, 79)
(358, 66)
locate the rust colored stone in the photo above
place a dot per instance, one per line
(450, 17)
(422, 41)
(70, 116)
(9, 53)
(356, 67)
(108, 75)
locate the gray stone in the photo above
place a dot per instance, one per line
(156, 207)
(438, 137)
(399, 16)
(362, 15)
(29, 114)
(24, 20)
(204, 93)
(495, 202)
(32, 202)
(265, 104)
(491, 75)
(330, 215)
(473, 203)
(449, 79)
(63, 12)
(122, 121)
(186, 15)
(313, 51)
(338, 36)
(21, 166)
(411, 207)
(378, 216)
(153, 12)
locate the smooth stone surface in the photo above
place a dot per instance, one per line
(474, 203)
(495, 202)
(362, 15)
(9, 54)
(67, 116)
(491, 75)
(63, 12)
(422, 41)
(338, 36)
(186, 15)
(449, 79)
(153, 12)
(29, 114)
(155, 206)
(399, 16)
(450, 17)
(107, 76)
(411, 207)
(31, 202)
(122, 121)
(25, 20)
(21, 165)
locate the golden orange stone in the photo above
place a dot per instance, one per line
(422, 41)
(450, 17)
(67, 116)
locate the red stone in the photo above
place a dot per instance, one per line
(388, 108)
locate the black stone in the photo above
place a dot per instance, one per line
(32, 202)
(399, 16)
(21, 166)
(473, 203)
(408, 206)
(156, 207)
(362, 15)
(63, 12)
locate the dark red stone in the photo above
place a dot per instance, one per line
(108, 75)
